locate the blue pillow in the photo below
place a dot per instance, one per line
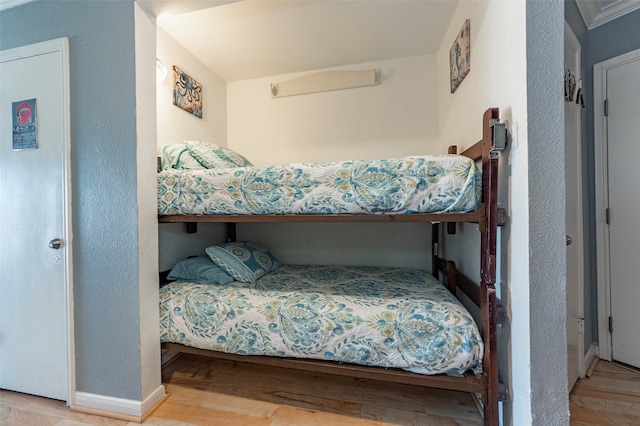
(200, 270)
(244, 261)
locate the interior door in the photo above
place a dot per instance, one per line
(623, 128)
(35, 253)
(573, 206)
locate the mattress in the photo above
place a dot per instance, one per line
(387, 317)
(416, 184)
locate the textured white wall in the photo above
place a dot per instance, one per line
(175, 124)
(397, 117)
(514, 67)
(546, 187)
(497, 79)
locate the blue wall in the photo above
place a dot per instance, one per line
(103, 168)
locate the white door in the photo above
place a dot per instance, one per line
(35, 283)
(573, 205)
(623, 141)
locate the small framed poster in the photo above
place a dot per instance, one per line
(25, 135)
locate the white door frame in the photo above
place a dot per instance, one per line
(578, 238)
(602, 196)
(61, 46)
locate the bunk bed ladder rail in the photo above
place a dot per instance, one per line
(493, 141)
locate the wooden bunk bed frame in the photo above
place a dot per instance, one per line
(488, 216)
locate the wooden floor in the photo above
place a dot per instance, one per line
(611, 396)
(215, 392)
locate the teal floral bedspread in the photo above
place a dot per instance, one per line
(389, 317)
(424, 184)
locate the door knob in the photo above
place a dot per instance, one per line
(55, 243)
(569, 240)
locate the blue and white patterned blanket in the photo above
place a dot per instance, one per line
(389, 317)
(418, 184)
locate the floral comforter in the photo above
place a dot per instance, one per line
(389, 317)
(424, 184)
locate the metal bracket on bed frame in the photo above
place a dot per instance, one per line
(500, 136)
(503, 392)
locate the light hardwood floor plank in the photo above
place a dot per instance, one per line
(213, 392)
(325, 394)
(610, 397)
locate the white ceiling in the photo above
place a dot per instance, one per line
(240, 40)
(251, 39)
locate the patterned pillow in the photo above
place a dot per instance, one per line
(214, 157)
(234, 157)
(244, 261)
(201, 270)
(177, 156)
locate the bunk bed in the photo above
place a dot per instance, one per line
(484, 211)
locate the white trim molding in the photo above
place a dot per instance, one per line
(590, 356)
(578, 237)
(117, 407)
(8, 4)
(598, 12)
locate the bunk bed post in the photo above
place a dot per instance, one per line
(489, 198)
(435, 235)
(231, 232)
(489, 230)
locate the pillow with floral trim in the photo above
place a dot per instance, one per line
(244, 261)
(199, 269)
(214, 157)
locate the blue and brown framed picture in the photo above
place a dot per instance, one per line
(460, 56)
(187, 92)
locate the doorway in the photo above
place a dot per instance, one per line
(36, 333)
(616, 126)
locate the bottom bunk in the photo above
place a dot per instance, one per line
(376, 316)
(388, 324)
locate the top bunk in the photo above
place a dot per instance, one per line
(430, 188)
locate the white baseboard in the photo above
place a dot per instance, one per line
(117, 406)
(590, 357)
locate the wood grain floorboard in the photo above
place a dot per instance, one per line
(315, 395)
(216, 392)
(610, 397)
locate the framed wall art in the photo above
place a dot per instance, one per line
(460, 56)
(187, 92)
(25, 135)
